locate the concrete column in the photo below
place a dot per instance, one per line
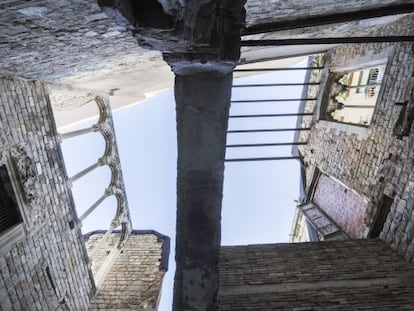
(202, 106)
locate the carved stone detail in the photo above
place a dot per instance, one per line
(26, 172)
(27, 182)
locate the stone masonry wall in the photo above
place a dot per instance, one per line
(330, 275)
(268, 11)
(53, 40)
(46, 266)
(135, 279)
(372, 160)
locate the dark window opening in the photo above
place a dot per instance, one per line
(142, 13)
(49, 277)
(405, 119)
(381, 216)
(9, 211)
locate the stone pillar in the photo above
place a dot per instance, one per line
(202, 105)
(200, 40)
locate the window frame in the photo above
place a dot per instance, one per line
(359, 129)
(13, 235)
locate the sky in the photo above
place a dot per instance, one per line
(258, 199)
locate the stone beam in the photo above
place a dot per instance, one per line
(206, 30)
(277, 15)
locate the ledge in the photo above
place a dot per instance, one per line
(361, 132)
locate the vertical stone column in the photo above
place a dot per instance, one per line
(200, 40)
(202, 105)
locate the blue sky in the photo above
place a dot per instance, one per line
(258, 200)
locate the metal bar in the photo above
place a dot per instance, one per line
(84, 172)
(276, 84)
(311, 41)
(318, 20)
(77, 132)
(271, 100)
(93, 206)
(271, 115)
(276, 69)
(266, 145)
(270, 130)
(262, 159)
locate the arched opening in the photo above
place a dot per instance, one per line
(82, 151)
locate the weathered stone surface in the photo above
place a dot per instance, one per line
(46, 267)
(372, 160)
(135, 279)
(206, 30)
(48, 43)
(346, 208)
(332, 275)
(269, 11)
(202, 104)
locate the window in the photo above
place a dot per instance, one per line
(380, 218)
(19, 212)
(11, 223)
(351, 96)
(9, 211)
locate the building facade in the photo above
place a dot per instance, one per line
(44, 264)
(359, 173)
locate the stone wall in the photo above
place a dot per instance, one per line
(332, 275)
(268, 11)
(52, 40)
(372, 161)
(45, 265)
(135, 279)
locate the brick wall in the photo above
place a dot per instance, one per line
(135, 279)
(373, 161)
(331, 275)
(46, 265)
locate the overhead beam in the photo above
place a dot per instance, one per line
(271, 100)
(333, 18)
(262, 159)
(270, 130)
(276, 84)
(274, 115)
(275, 69)
(313, 41)
(266, 145)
